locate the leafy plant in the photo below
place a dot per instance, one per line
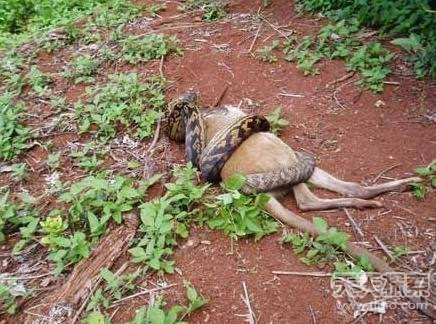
(97, 299)
(275, 121)
(305, 57)
(399, 251)
(96, 317)
(325, 247)
(19, 171)
(154, 314)
(53, 227)
(196, 301)
(8, 297)
(239, 215)
(394, 17)
(370, 60)
(14, 134)
(165, 218)
(117, 285)
(265, 53)
(97, 199)
(122, 101)
(149, 47)
(428, 173)
(38, 81)
(88, 157)
(53, 160)
(23, 216)
(211, 10)
(214, 11)
(82, 68)
(355, 269)
(154, 8)
(70, 249)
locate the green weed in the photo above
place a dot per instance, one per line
(97, 199)
(122, 101)
(14, 135)
(38, 81)
(8, 296)
(53, 160)
(22, 216)
(393, 17)
(275, 121)
(19, 171)
(155, 313)
(305, 57)
(211, 10)
(82, 68)
(149, 47)
(96, 317)
(371, 61)
(117, 285)
(68, 250)
(325, 247)
(53, 227)
(89, 157)
(238, 215)
(428, 174)
(154, 8)
(165, 218)
(265, 53)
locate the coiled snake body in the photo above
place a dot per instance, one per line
(187, 123)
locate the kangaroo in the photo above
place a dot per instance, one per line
(264, 152)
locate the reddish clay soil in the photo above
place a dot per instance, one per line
(351, 137)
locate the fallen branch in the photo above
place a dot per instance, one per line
(145, 292)
(76, 289)
(255, 39)
(384, 171)
(276, 209)
(251, 318)
(343, 78)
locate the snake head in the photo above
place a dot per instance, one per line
(189, 96)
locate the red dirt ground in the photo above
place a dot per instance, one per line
(354, 142)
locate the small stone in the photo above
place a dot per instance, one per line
(380, 103)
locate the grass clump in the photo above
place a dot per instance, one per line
(124, 100)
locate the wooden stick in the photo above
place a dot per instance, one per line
(255, 38)
(145, 292)
(251, 318)
(384, 171)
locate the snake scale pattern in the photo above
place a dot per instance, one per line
(185, 123)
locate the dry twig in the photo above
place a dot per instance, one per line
(353, 223)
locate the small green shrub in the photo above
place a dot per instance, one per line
(124, 100)
(149, 47)
(13, 134)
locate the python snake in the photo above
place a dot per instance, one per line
(185, 123)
